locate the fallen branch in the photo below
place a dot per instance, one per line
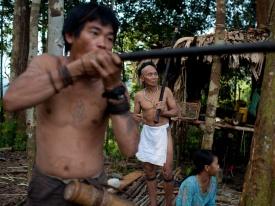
(23, 194)
(162, 192)
(129, 178)
(4, 149)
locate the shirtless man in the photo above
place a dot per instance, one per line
(156, 146)
(75, 96)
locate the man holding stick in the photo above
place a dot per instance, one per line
(156, 146)
(75, 96)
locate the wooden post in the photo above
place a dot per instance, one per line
(214, 87)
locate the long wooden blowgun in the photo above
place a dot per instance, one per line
(266, 46)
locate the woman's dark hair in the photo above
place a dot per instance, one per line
(86, 12)
(200, 159)
(145, 64)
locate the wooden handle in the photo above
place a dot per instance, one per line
(156, 120)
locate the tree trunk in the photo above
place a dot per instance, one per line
(259, 184)
(56, 21)
(20, 49)
(20, 37)
(30, 113)
(1, 67)
(262, 14)
(34, 17)
(214, 87)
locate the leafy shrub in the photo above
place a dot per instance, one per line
(20, 141)
(8, 133)
(110, 147)
(11, 137)
(193, 140)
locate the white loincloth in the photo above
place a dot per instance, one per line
(152, 147)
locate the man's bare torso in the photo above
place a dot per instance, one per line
(148, 108)
(70, 130)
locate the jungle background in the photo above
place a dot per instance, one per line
(144, 25)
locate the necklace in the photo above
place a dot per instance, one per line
(153, 99)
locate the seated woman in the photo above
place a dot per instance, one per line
(199, 189)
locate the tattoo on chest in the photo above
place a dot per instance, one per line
(78, 113)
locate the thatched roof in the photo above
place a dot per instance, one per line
(255, 60)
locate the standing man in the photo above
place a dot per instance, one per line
(156, 146)
(75, 96)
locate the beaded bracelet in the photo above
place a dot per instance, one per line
(117, 93)
(119, 108)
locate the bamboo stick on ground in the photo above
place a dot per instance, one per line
(139, 188)
(143, 201)
(141, 194)
(161, 200)
(134, 189)
(140, 200)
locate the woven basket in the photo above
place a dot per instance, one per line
(189, 110)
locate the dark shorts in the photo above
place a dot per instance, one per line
(45, 190)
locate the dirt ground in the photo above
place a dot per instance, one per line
(13, 178)
(13, 182)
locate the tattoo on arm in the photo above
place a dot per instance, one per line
(130, 122)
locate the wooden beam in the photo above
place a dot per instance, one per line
(129, 179)
(220, 125)
(241, 128)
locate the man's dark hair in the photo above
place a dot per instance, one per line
(145, 64)
(87, 12)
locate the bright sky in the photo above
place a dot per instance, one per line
(5, 71)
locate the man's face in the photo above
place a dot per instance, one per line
(93, 36)
(149, 76)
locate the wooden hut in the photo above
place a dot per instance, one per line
(189, 76)
(230, 61)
